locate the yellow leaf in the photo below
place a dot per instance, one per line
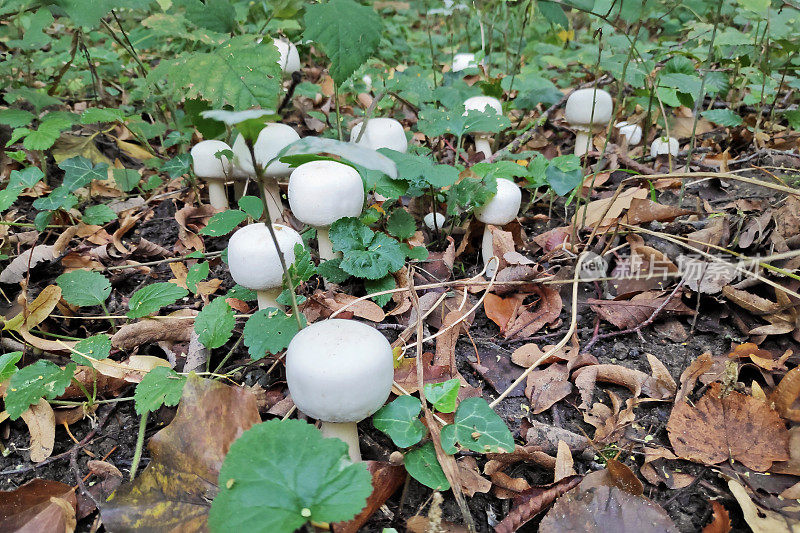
(69, 145)
(37, 311)
(134, 150)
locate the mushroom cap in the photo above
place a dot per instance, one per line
(253, 259)
(339, 370)
(463, 61)
(290, 59)
(480, 103)
(502, 208)
(206, 165)
(271, 140)
(381, 133)
(322, 192)
(429, 218)
(633, 132)
(664, 146)
(578, 111)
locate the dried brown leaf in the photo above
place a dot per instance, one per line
(534, 502)
(148, 331)
(31, 508)
(15, 271)
(565, 466)
(627, 314)
(386, 479)
(41, 422)
(548, 386)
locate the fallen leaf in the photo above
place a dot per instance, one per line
(534, 501)
(192, 219)
(422, 524)
(697, 368)
(761, 519)
(627, 314)
(546, 438)
(31, 508)
(132, 370)
(41, 422)
(15, 271)
(148, 331)
(655, 469)
(644, 210)
(548, 386)
(546, 311)
(472, 482)
(611, 422)
(501, 310)
(605, 212)
(527, 354)
(565, 466)
(785, 395)
(37, 311)
(721, 522)
(386, 479)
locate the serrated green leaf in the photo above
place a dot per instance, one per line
(42, 379)
(98, 214)
(214, 325)
(401, 224)
(480, 429)
(435, 122)
(278, 475)
(38, 99)
(151, 298)
(8, 364)
(500, 169)
(443, 395)
(383, 256)
(420, 170)
(41, 138)
(97, 347)
(197, 273)
(16, 118)
(224, 222)
(470, 193)
(269, 331)
(242, 293)
(126, 178)
(349, 233)
(303, 267)
(378, 285)
(252, 205)
(8, 196)
(84, 288)
(160, 386)
(95, 115)
(723, 117)
(214, 15)
(400, 420)
(421, 464)
(332, 271)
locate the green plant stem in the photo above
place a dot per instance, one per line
(227, 356)
(67, 403)
(519, 45)
(104, 307)
(430, 44)
(338, 112)
(27, 225)
(82, 387)
(137, 454)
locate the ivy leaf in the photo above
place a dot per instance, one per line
(332, 271)
(401, 224)
(214, 325)
(281, 474)
(160, 386)
(269, 331)
(26, 178)
(178, 165)
(126, 178)
(348, 32)
(97, 347)
(98, 215)
(79, 172)
(59, 198)
(480, 429)
(197, 273)
(443, 395)
(8, 364)
(224, 223)
(400, 420)
(349, 234)
(723, 117)
(421, 464)
(151, 298)
(42, 379)
(252, 205)
(447, 437)
(8, 196)
(84, 288)
(564, 174)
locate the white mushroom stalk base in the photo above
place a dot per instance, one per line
(325, 245)
(216, 194)
(583, 141)
(347, 432)
(482, 145)
(487, 251)
(272, 193)
(268, 297)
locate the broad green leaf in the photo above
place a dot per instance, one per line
(126, 178)
(26, 178)
(794, 119)
(281, 474)
(400, 420)
(16, 118)
(435, 122)
(98, 214)
(269, 331)
(38, 99)
(564, 174)
(383, 256)
(84, 288)
(42, 379)
(378, 285)
(354, 153)
(79, 172)
(401, 224)
(443, 395)
(214, 15)
(178, 165)
(422, 464)
(97, 347)
(8, 364)
(224, 222)
(480, 429)
(252, 205)
(197, 273)
(60, 198)
(214, 325)
(553, 13)
(94, 115)
(332, 271)
(160, 386)
(447, 438)
(42, 138)
(723, 117)
(151, 298)
(470, 193)
(349, 233)
(500, 169)
(8, 196)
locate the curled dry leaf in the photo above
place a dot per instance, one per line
(547, 438)
(148, 331)
(627, 314)
(565, 466)
(471, 479)
(86, 376)
(15, 271)
(728, 427)
(721, 521)
(548, 386)
(192, 219)
(37, 311)
(655, 469)
(605, 212)
(502, 310)
(500, 461)
(527, 354)
(37, 507)
(386, 479)
(506, 486)
(132, 370)
(545, 311)
(533, 502)
(41, 422)
(659, 385)
(611, 422)
(644, 210)
(615, 474)
(785, 395)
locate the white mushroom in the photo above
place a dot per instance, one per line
(213, 170)
(664, 146)
(501, 209)
(290, 59)
(434, 220)
(254, 263)
(271, 140)
(587, 108)
(381, 133)
(485, 104)
(632, 132)
(322, 192)
(463, 62)
(339, 372)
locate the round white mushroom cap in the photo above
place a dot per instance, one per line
(578, 111)
(322, 192)
(339, 370)
(206, 165)
(271, 140)
(463, 62)
(480, 103)
(430, 217)
(290, 59)
(503, 207)
(633, 132)
(253, 259)
(381, 133)
(664, 146)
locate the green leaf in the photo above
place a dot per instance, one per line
(553, 13)
(378, 285)
(470, 193)
(401, 224)
(443, 395)
(38, 99)
(332, 271)
(99, 215)
(214, 325)
(95, 115)
(42, 138)
(26, 178)
(178, 165)
(126, 178)
(269, 331)
(8, 196)
(79, 172)
(400, 420)
(480, 429)
(564, 174)
(252, 205)
(349, 34)
(281, 474)
(303, 267)
(349, 234)
(353, 153)
(16, 118)
(241, 293)
(447, 437)
(197, 273)
(8, 364)
(60, 198)
(160, 386)
(29, 384)
(435, 122)
(421, 464)
(793, 117)
(224, 223)
(97, 347)
(151, 298)
(84, 288)
(500, 169)
(214, 15)
(723, 117)
(383, 256)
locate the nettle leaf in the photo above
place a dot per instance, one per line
(97, 347)
(348, 32)
(178, 165)
(332, 271)
(84, 288)
(252, 205)
(313, 480)
(126, 178)
(16, 118)
(8, 364)
(723, 117)
(421, 464)
(214, 325)
(42, 138)
(443, 395)
(197, 273)
(160, 386)
(564, 174)
(151, 298)
(238, 73)
(42, 379)
(79, 172)
(400, 420)
(480, 429)
(269, 331)
(99, 215)
(401, 224)
(95, 115)
(224, 223)
(349, 233)
(26, 178)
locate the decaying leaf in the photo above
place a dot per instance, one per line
(39, 506)
(627, 314)
(611, 422)
(721, 522)
(41, 422)
(605, 212)
(386, 479)
(785, 395)
(655, 469)
(472, 482)
(564, 463)
(531, 319)
(548, 386)
(533, 502)
(132, 370)
(760, 519)
(15, 271)
(146, 331)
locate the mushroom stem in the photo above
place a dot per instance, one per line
(268, 297)
(582, 142)
(347, 432)
(482, 145)
(487, 251)
(325, 245)
(216, 194)
(275, 206)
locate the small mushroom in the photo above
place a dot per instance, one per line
(290, 59)
(254, 263)
(463, 61)
(434, 220)
(632, 132)
(271, 140)
(213, 170)
(587, 108)
(322, 192)
(501, 209)
(484, 104)
(339, 372)
(381, 133)
(664, 146)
